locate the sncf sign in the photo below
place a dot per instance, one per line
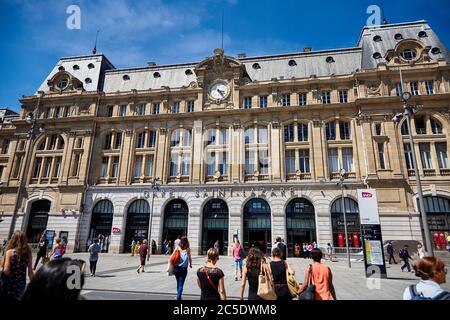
(366, 195)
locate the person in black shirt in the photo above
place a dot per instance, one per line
(278, 267)
(210, 279)
(43, 247)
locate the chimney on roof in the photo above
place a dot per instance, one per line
(242, 55)
(307, 49)
(151, 63)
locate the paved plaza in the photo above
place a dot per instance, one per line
(117, 279)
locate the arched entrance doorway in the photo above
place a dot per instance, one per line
(353, 224)
(215, 225)
(176, 216)
(138, 217)
(438, 216)
(101, 222)
(300, 223)
(38, 219)
(257, 225)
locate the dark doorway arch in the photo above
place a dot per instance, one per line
(138, 218)
(101, 222)
(353, 223)
(257, 225)
(176, 216)
(38, 219)
(438, 217)
(300, 223)
(215, 225)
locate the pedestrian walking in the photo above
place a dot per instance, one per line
(329, 252)
(420, 251)
(390, 251)
(305, 251)
(322, 278)
(42, 250)
(58, 250)
(181, 268)
(177, 242)
(49, 284)
(94, 249)
(143, 251)
(170, 247)
(278, 268)
(238, 256)
(133, 247)
(154, 247)
(17, 262)
(251, 272)
(296, 250)
(404, 255)
(310, 248)
(210, 278)
(217, 246)
(432, 272)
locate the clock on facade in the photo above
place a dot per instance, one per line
(219, 90)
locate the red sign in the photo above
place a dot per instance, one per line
(366, 195)
(115, 230)
(340, 240)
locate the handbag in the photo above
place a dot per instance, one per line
(45, 259)
(266, 288)
(175, 257)
(170, 269)
(292, 284)
(308, 293)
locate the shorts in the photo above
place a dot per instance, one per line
(142, 261)
(238, 263)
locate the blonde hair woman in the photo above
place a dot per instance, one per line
(210, 278)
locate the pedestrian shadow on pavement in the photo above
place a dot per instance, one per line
(104, 276)
(396, 278)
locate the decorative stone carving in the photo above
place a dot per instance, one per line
(362, 118)
(317, 123)
(373, 89)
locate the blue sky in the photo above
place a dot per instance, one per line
(33, 34)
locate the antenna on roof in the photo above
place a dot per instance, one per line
(94, 51)
(222, 28)
(382, 13)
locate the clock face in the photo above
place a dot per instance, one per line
(219, 91)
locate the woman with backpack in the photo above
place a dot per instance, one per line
(181, 268)
(210, 279)
(238, 255)
(432, 272)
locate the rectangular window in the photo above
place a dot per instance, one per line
(343, 96)
(302, 132)
(249, 135)
(75, 165)
(289, 133)
(441, 152)
(381, 155)
(250, 162)
(141, 109)
(347, 159)
(263, 101)
(58, 112)
(211, 163)
(155, 109)
(408, 156)
(47, 167)
(398, 89)
(190, 106)
(175, 139)
(118, 141)
(138, 166)
(1, 173)
(107, 144)
(304, 160)
(185, 164)
(37, 167)
(140, 141)
(330, 130)
(151, 139)
(262, 134)
(47, 113)
(378, 129)
(264, 162)
(333, 161)
(115, 167)
(247, 103)
(302, 99)
(223, 163)
(290, 161)
(223, 136)
(286, 100)
(326, 97)
(110, 111)
(345, 132)
(425, 155)
(123, 110)
(104, 168)
(430, 87)
(149, 166)
(176, 107)
(5, 146)
(52, 144)
(414, 88)
(17, 165)
(174, 165)
(57, 169)
(420, 125)
(66, 111)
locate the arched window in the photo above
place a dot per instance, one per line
(438, 216)
(256, 152)
(341, 156)
(297, 164)
(180, 154)
(215, 225)
(175, 224)
(101, 220)
(138, 217)
(216, 142)
(144, 156)
(353, 224)
(48, 159)
(257, 225)
(436, 126)
(110, 156)
(38, 218)
(300, 223)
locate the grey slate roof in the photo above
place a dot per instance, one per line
(387, 33)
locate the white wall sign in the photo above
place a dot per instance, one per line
(368, 206)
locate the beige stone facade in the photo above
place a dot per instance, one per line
(275, 128)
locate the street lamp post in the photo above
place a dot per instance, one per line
(408, 111)
(30, 119)
(341, 183)
(155, 187)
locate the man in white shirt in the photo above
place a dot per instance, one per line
(177, 242)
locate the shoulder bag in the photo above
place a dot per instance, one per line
(175, 257)
(266, 288)
(209, 279)
(292, 283)
(308, 293)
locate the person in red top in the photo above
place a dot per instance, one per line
(143, 250)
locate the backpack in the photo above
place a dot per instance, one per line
(63, 250)
(402, 253)
(241, 253)
(415, 295)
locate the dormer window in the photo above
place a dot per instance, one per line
(156, 75)
(329, 60)
(126, 77)
(88, 80)
(435, 50)
(76, 67)
(377, 39)
(398, 36)
(422, 34)
(408, 54)
(292, 63)
(188, 72)
(91, 66)
(62, 84)
(256, 66)
(377, 55)
(61, 68)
